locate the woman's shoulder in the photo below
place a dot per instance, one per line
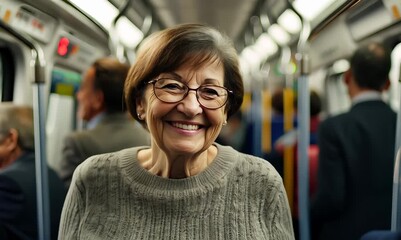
(258, 166)
(100, 165)
(251, 166)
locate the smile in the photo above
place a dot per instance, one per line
(185, 126)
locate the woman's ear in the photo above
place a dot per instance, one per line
(140, 108)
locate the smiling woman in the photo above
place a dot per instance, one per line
(183, 87)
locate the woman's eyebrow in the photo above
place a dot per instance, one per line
(178, 77)
(211, 81)
(173, 74)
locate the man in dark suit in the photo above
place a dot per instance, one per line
(355, 172)
(18, 209)
(109, 127)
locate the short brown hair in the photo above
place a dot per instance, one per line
(193, 44)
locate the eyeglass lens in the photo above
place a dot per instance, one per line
(172, 91)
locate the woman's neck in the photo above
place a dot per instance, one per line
(181, 166)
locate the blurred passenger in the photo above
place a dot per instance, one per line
(18, 214)
(109, 127)
(354, 192)
(275, 156)
(183, 87)
(277, 120)
(289, 139)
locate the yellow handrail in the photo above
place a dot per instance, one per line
(289, 151)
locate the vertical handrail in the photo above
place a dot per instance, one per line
(303, 136)
(42, 191)
(288, 154)
(257, 120)
(396, 202)
(395, 210)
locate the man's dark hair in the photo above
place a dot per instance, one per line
(315, 103)
(110, 77)
(371, 65)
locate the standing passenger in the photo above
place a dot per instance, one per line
(101, 104)
(183, 87)
(18, 214)
(355, 172)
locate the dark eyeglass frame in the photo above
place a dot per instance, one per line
(190, 89)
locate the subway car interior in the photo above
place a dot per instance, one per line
(293, 46)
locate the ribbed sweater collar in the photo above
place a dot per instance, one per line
(208, 178)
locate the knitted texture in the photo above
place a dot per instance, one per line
(237, 197)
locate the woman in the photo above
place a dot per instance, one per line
(184, 86)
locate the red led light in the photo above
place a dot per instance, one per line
(63, 45)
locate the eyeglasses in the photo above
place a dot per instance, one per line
(209, 96)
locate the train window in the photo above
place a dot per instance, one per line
(336, 99)
(65, 82)
(7, 74)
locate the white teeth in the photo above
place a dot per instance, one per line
(186, 126)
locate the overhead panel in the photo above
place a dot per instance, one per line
(369, 18)
(136, 13)
(29, 20)
(324, 51)
(227, 16)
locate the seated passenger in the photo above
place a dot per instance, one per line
(100, 103)
(18, 214)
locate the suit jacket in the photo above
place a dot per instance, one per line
(114, 132)
(18, 209)
(355, 172)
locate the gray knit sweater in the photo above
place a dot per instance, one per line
(237, 197)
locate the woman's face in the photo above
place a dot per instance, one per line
(185, 127)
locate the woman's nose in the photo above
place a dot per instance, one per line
(190, 105)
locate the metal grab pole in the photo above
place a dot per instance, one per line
(303, 136)
(42, 190)
(303, 158)
(395, 210)
(396, 204)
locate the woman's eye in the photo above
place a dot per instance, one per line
(209, 92)
(173, 86)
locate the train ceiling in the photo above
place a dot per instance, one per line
(230, 17)
(242, 20)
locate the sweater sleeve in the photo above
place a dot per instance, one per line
(73, 209)
(281, 223)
